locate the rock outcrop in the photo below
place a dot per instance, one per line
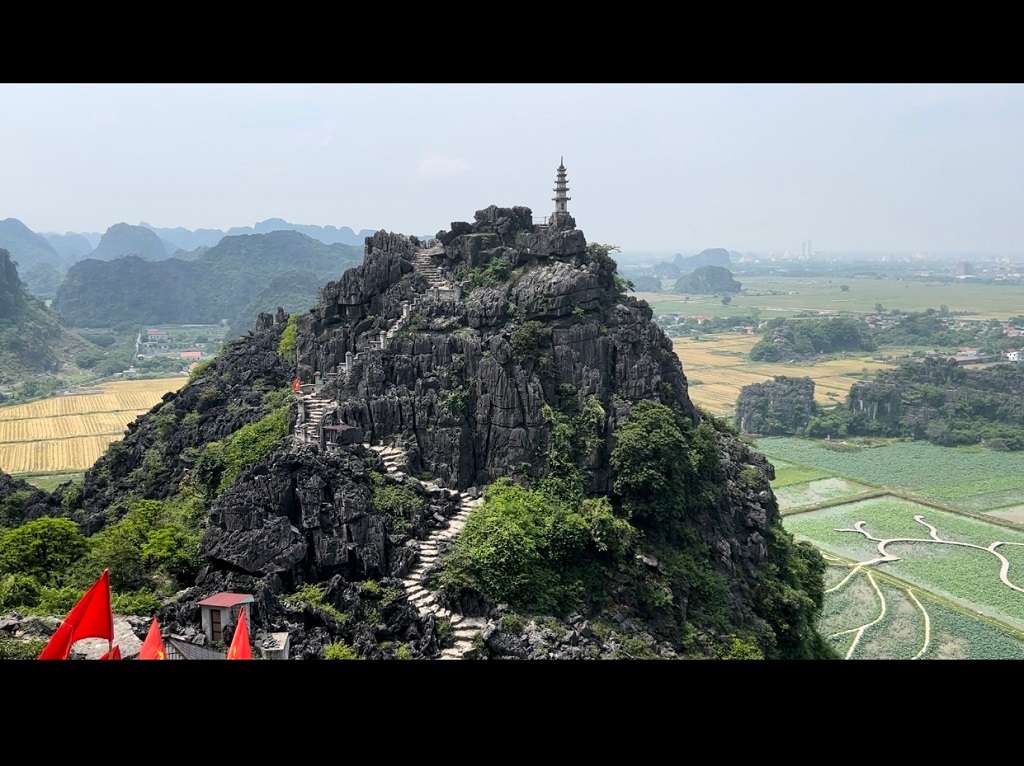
(463, 386)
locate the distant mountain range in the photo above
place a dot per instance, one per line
(648, 278)
(39, 264)
(32, 340)
(233, 280)
(43, 259)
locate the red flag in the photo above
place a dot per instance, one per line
(240, 649)
(113, 654)
(91, 617)
(153, 646)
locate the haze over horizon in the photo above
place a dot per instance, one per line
(651, 167)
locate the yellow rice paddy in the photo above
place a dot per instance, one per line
(68, 433)
(719, 367)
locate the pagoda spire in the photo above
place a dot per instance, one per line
(561, 197)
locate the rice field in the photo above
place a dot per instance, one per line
(915, 624)
(68, 433)
(972, 613)
(812, 493)
(972, 479)
(789, 473)
(719, 367)
(968, 576)
(786, 296)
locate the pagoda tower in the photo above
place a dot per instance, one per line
(561, 218)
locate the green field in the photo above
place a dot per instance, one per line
(811, 493)
(788, 473)
(968, 478)
(915, 623)
(968, 576)
(50, 481)
(798, 294)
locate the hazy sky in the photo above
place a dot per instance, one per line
(652, 167)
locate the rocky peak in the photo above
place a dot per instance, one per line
(461, 380)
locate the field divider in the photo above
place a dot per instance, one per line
(1017, 633)
(882, 490)
(832, 502)
(62, 438)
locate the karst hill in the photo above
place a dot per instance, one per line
(491, 453)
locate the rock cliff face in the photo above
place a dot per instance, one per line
(781, 406)
(463, 384)
(158, 449)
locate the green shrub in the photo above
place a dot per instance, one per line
(512, 623)
(528, 338)
(496, 272)
(155, 545)
(57, 601)
(18, 590)
(199, 369)
(140, 602)
(13, 649)
(42, 549)
(445, 632)
(312, 596)
(404, 652)
(398, 503)
(458, 400)
(222, 462)
(530, 550)
(574, 433)
(289, 338)
(165, 421)
(741, 649)
(339, 650)
(12, 507)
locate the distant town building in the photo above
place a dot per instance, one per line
(1013, 356)
(970, 356)
(191, 356)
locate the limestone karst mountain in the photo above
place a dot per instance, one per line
(39, 264)
(123, 239)
(71, 246)
(708, 280)
(233, 281)
(505, 359)
(32, 339)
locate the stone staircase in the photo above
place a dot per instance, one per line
(423, 262)
(314, 409)
(428, 555)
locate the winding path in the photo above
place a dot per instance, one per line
(886, 556)
(927, 625)
(933, 537)
(859, 631)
